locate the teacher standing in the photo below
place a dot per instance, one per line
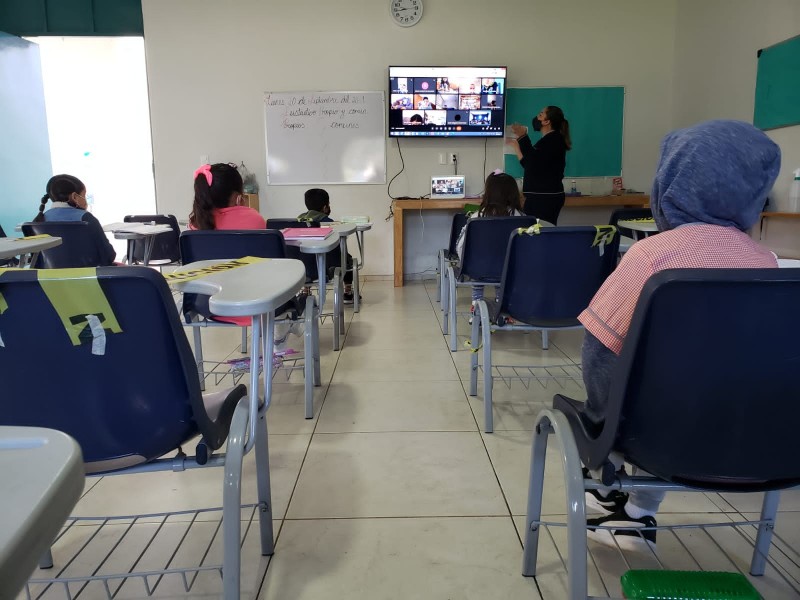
(543, 163)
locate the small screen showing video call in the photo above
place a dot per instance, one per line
(447, 101)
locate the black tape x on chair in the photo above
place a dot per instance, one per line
(121, 380)
(482, 263)
(550, 275)
(704, 397)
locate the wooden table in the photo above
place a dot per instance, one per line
(417, 204)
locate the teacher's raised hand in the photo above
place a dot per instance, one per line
(519, 130)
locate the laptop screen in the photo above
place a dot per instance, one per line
(450, 186)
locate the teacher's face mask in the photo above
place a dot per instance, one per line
(536, 124)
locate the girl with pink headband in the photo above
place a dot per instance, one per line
(219, 200)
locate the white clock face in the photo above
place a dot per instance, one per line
(405, 12)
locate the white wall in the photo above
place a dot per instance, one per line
(209, 62)
(716, 43)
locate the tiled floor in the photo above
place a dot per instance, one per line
(393, 491)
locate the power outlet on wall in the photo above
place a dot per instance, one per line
(452, 158)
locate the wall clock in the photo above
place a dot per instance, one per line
(405, 12)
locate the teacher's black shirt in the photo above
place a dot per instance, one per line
(543, 163)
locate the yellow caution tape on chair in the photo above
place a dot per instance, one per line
(217, 268)
(532, 230)
(81, 305)
(604, 234)
(41, 236)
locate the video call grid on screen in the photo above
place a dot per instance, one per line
(447, 101)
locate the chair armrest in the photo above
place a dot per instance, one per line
(588, 437)
(219, 410)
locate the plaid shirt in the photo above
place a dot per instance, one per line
(696, 245)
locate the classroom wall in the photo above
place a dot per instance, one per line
(716, 42)
(209, 63)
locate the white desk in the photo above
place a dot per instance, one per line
(137, 231)
(11, 247)
(42, 475)
(319, 248)
(255, 291)
(643, 225)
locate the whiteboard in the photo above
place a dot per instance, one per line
(325, 137)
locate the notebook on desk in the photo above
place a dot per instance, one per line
(306, 233)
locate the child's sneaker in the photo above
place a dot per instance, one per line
(623, 531)
(472, 311)
(605, 505)
(349, 298)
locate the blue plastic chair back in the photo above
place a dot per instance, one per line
(550, 277)
(138, 401)
(459, 221)
(226, 244)
(80, 246)
(485, 246)
(706, 389)
(165, 246)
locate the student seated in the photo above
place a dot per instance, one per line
(218, 204)
(710, 186)
(219, 200)
(68, 195)
(318, 204)
(501, 198)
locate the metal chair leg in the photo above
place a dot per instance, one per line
(356, 288)
(475, 338)
(488, 408)
(263, 485)
(769, 508)
(243, 348)
(232, 501)
(453, 297)
(308, 357)
(445, 305)
(198, 355)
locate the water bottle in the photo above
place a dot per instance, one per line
(574, 189)
(794, 193)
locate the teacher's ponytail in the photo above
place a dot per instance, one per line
(565, 134)
(560, 124)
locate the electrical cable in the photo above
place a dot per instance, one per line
(389, 186)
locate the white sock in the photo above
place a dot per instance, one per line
(635, 512)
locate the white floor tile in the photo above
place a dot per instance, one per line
(398, 558)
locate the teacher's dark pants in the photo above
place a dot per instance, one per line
(543, 206)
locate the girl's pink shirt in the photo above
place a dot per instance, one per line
(238, 217)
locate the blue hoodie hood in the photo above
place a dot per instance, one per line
(717, 172)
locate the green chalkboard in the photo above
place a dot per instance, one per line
(778, 86)
(595, 117)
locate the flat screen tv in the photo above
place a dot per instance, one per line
(447, 101)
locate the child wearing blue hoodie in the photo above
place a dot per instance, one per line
(710, 186)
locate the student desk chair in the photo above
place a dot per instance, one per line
(703, 397)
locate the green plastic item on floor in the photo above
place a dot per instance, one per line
(686, 585)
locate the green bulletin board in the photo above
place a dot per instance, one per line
(595, 116)
(778, 86)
